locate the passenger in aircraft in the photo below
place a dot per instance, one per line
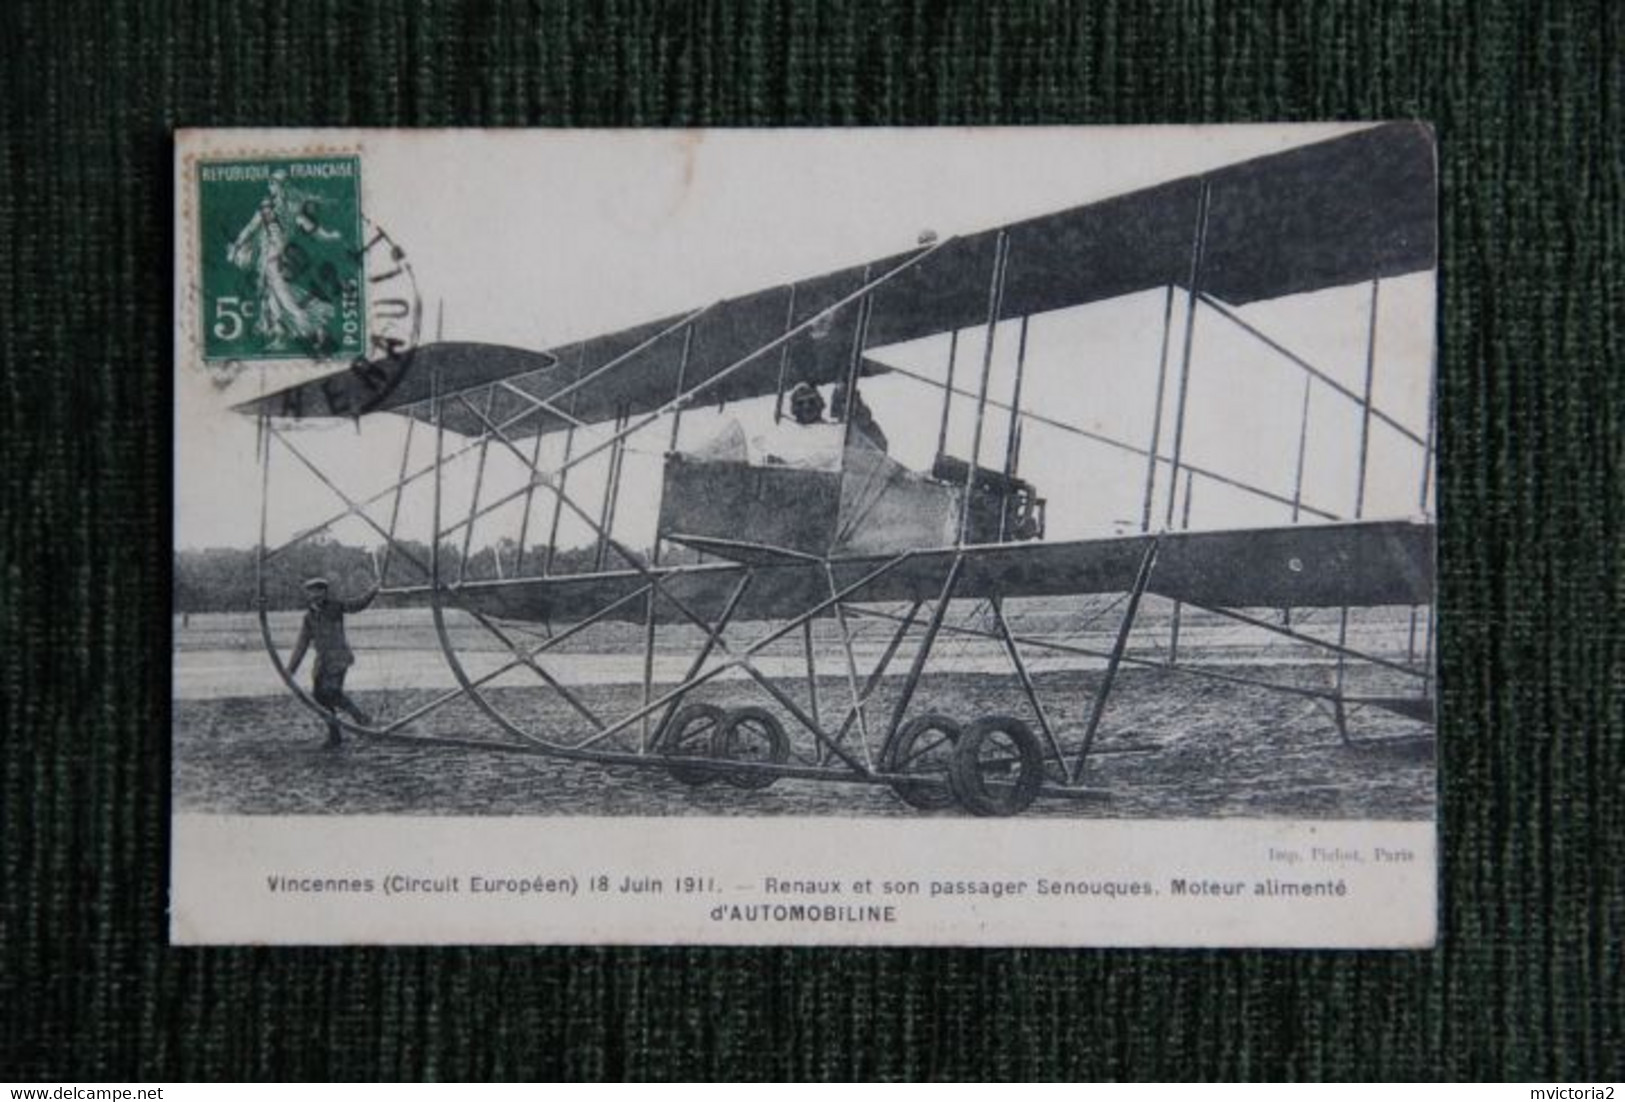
(863, 421)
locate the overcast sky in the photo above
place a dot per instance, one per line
(538, 238)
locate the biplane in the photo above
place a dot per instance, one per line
(757, 539)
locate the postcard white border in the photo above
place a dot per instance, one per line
(222, 865)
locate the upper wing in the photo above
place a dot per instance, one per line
(1356, 564)
(1336, 212)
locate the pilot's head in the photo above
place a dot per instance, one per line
(316, 590)
(806, 404)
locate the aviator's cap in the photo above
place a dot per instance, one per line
(805, 392)
(316, 583)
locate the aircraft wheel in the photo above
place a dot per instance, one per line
(689, 735)
(750, 735)
(997, 767)
(924, 746)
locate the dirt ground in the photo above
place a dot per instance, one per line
(1171, 746)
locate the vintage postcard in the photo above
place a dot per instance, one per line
(932, 537)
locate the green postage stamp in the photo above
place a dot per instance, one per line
(281, 261)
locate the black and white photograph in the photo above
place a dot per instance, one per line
(942, 536)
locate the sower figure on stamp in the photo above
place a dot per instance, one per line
(265, 247)
(323, 629)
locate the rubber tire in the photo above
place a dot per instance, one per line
(778, 750)
(925, 795)
(970, 784)
(692, 775)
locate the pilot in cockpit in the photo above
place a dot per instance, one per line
(806, 404)
(807, 441)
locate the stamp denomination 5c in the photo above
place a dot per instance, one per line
(282, 262)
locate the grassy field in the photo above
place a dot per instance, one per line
(1171, 745)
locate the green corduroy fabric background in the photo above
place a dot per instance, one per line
(1527, 981)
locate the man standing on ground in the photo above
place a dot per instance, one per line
(324, 629)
